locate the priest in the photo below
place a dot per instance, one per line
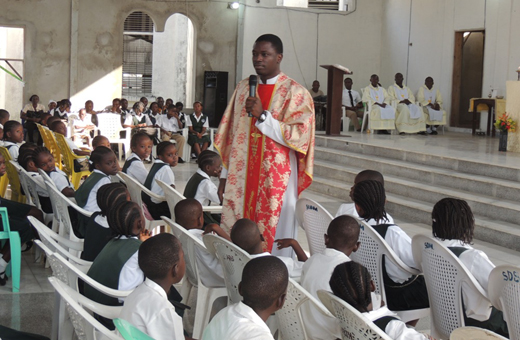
(266, 142)
(409, 118)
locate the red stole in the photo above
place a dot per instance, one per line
(256, 156)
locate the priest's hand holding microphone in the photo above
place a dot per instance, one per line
(253, 103)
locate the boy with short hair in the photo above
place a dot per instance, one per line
(350, 208)
(82, 163)
(147, 308)
(189, 214)
(171, 128)
(341, 240)
(264, 287)
(141, 145)
(100, 141)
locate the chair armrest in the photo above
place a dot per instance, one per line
(214, 209)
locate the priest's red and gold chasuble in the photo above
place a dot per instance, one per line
(258, 167)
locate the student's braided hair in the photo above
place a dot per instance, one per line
(97, 156)
(161, 148)
(36, 152)
(26, 154)
(350, 281)
(207, 158)
(122, 217)
(110, 196)
(370, 197)
(452, 219)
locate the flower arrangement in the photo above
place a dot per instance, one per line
(505, 124)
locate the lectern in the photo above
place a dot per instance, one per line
(334, 94)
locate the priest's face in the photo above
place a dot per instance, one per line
(429, 82)
(399, 79)
(266, 60)
(374, 80)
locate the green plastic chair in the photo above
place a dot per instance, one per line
(129, 332)
(14, 267)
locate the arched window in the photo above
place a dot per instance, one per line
(137, 56)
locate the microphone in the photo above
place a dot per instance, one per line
(252, 89)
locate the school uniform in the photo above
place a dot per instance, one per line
(13, 148)
(61, 115)
(210, 270)
(198, 123)
(116, 267)
(97, 235)
(147, 308)
(403, 291)
(237, 322)
(390, 323)
(201, 188)
(163, 172)
(134, 167)
(86, 196)
(173, 131)
(350, 209)
(316, 274)
(478, 312)
(294, 267)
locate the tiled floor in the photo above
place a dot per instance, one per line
(31, 309)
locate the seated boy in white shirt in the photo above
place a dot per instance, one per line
(147, 308)
(365, 175)
(141, 145)
(352, 283)
(61, 128)
(341, 240)
(264, 287)
(246, 235)
(189, 214)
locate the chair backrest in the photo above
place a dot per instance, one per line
(12, 174)
(59, 244)
(31, 197)
(290, 321)
(475, 333)
(110, 125)
(232, 259)
(444, 275)
(60, 204)
(52, 145)
(316, 220)
(354, 325)
(504, 294)
(46, 178)
(189, 244)
(370, 254)
(78, 307)
(4, 181)
(172, 196)
(135, 189)
(129, 331)
(66, 152)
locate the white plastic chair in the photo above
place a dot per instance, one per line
(475, 333)
(345, 120)
(135, 189)
(79, 308)
(504, 294)
(445, 275)
(206, 296)
(290, 321)
(60, 204)
(30, 187)
(354, 325)
(173, 197)
(315, 221)
(371, 253)
(232, 259)
(109, 125)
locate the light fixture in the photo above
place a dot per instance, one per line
(233, 5)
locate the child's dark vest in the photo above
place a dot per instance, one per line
(149, 180)
(107, 268)
(384, 321)
(84, 190)
(198, 126)
(128, 163)
(191, 190)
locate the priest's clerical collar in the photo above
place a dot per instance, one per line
(271, 81)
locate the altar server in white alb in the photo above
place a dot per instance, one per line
(382, 114)
(431, 100)
(409, 117)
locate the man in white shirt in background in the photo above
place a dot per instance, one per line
(171, 128)
(352, 102)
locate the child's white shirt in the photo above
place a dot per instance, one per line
(294, 267)
(60, 179)
(164, 174)
(136, 169)
(316, 274)
(479, 265)
(92, 205)
(131, 274)
(13, 148)
(147, 308)
(73, 147)
(395, 329)
(206, 191)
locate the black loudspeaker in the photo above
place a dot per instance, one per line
(215, 96)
